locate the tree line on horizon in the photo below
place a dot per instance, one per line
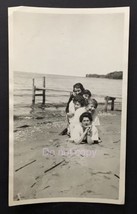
(112, 75)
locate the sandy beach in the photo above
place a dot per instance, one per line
(47, 165)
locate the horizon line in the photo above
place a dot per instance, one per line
(64, 74)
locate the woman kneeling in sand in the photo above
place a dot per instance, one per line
(85, 132)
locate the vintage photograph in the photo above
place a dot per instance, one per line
(68, 74)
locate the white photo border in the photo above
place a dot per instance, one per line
(126, 12)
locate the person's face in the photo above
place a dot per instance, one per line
(77, 91)
(86, 122)
(86, 96)
(77, 105)
(91, 107)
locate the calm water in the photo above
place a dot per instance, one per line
(98, 87)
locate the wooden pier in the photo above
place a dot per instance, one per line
(42, 90)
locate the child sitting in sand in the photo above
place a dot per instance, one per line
(92, 108)
(85, 132)
(79, 106)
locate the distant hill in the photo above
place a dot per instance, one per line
(112, 75)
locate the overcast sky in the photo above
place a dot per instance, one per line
(68, 44)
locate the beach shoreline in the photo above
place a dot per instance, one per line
(22, 111)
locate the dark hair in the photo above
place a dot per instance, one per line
(85, 114)
(78, 85)
(94, 102)
(80, 99)
(87, 92)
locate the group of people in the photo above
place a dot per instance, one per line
(82, 117)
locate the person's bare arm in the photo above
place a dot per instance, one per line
(89, 136)
(89, 139)
(79, 141)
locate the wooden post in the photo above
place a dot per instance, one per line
(33, 91)
(44, 85)
(112, 103)
(106, 103)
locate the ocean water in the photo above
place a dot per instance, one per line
(59, 88)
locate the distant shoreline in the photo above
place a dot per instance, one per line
(113, 75)
(64, 75)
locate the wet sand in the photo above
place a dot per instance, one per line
(47, 165)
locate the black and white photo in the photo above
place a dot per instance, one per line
(68, 74)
